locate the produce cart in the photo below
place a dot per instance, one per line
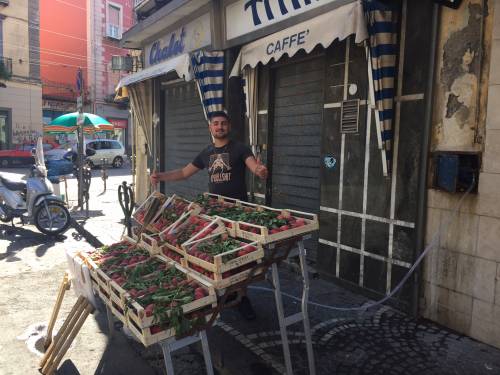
(169, 282)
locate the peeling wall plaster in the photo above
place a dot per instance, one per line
(456, 116)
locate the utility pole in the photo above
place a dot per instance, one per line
(80, 123)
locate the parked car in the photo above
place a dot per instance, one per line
(107, 151)
(22, 155)
(59, 152)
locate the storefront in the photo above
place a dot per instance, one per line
(166, 98)
(315, 123)
(338, 130)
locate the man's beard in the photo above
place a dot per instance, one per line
(220, 135)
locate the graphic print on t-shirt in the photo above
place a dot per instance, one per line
(219, 167)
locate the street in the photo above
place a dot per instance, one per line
(378, 341)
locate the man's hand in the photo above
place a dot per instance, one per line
(154, 178)
(261, 170)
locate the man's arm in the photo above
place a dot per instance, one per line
(256, 167)
(174, 175)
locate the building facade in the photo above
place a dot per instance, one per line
(461, 280)
(63, 50)
(108, 21)
(21, 91)
(87, 43)
(313, 116)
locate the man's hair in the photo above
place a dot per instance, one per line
(219, 114)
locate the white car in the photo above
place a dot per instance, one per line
(107, 151)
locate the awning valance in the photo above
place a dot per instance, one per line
(324, 29)
(180, 64)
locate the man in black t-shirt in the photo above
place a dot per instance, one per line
(225, 161)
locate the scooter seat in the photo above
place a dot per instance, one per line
(13, 185)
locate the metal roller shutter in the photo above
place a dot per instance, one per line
(298, 114)
(186, 134)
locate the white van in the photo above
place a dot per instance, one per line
(107, 151)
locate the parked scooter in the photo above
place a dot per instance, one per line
(34, 201)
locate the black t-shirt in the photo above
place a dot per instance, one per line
(226, 168)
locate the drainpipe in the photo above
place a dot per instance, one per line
(424, 158)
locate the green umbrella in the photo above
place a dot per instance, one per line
(92, 122)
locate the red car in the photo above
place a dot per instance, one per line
(21, 154)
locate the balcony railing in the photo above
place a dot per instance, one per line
(5, 67)
(138, 2)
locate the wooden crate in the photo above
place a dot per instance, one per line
(118, 311)
(219, 266)
(263, 235)
(165, 249)
(145, 205)
(135, 311)
(229, 224)
(151, 242)
(215, 223)
(225, 282)
(169, 203)
(118, 294)
(148, 338)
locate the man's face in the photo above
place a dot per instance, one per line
(219, 127)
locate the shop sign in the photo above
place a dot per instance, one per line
(246, 16)
(194, 35)
(118, 123)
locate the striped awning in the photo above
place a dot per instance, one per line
(336, 24)
(179, 64)
(208, 69)
(382, 30)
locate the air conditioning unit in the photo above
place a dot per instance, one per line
(122, 63)
(4, 2)
(113, 31)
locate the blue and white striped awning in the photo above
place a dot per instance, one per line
(208, 69)
(382, 29)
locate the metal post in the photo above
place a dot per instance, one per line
(281, 319)
(303, 315)
(80, 166)
(305, 312)
(170, 345)
(80, 123)
(206, 353)
(167, 357)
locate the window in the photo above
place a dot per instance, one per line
(114, 29)
(105, 145)
(115, 145)
(4, 129)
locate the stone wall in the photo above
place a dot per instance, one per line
(462, 275)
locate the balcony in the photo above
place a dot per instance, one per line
(5, 68)
(144, 8)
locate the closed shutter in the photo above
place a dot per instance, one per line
(186, 134)
(298, 113)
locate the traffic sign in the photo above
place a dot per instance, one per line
(79, 80)
(81, 119)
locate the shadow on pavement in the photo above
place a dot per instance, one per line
(20, 238)
(82, 215)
